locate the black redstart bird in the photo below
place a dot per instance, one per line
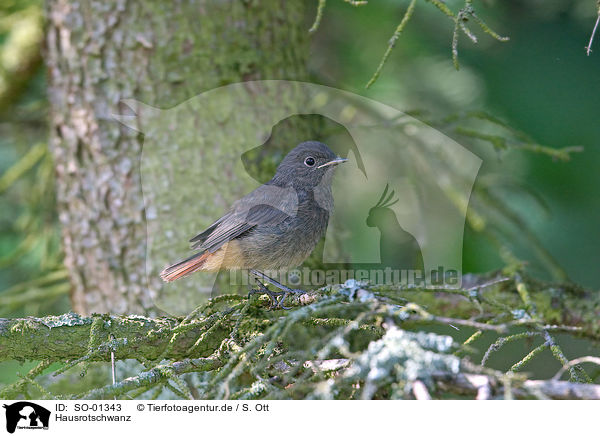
(275, 226)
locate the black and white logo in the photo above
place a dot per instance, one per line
(26, 415)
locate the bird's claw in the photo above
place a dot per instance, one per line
(275, 302)
(285, 294)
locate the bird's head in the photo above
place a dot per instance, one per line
(307, 165)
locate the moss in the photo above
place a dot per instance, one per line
(261, 353)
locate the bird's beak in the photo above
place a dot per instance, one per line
(335, 161)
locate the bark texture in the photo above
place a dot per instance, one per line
(161, 53)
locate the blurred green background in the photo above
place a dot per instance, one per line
(540, 82)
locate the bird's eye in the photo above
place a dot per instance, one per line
(309, 161)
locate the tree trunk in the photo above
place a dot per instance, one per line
(161, 53)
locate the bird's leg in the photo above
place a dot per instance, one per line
(285, 291)
(263, 290)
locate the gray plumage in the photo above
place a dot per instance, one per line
(276, 225)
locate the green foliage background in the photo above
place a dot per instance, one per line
(540, 82)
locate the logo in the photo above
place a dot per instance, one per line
(26, 415)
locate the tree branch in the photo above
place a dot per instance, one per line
(242, 336)
(65, 337)
(473, 384)
(60, 338)
(155, 375)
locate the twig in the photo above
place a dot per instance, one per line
(113, 365)
(18, 386)
(500, 342)
(574, 362)
(321, 8)
(319, 16)
(428, 317)
(151, 377)
(562, 390)
(472, 383)
(537, 350)
(589, 46)
(577, 373)
(420, 390)
(392, 41)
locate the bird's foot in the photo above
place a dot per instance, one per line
(276, 303)
(272, 296)
(287, 292)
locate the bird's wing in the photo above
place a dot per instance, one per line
(266, 205)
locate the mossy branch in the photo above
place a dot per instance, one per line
(70, 336)
(253, 352)
(564, 307)
(154, 376)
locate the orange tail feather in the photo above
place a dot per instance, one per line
(184, 267)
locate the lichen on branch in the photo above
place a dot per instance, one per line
(354, 340)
